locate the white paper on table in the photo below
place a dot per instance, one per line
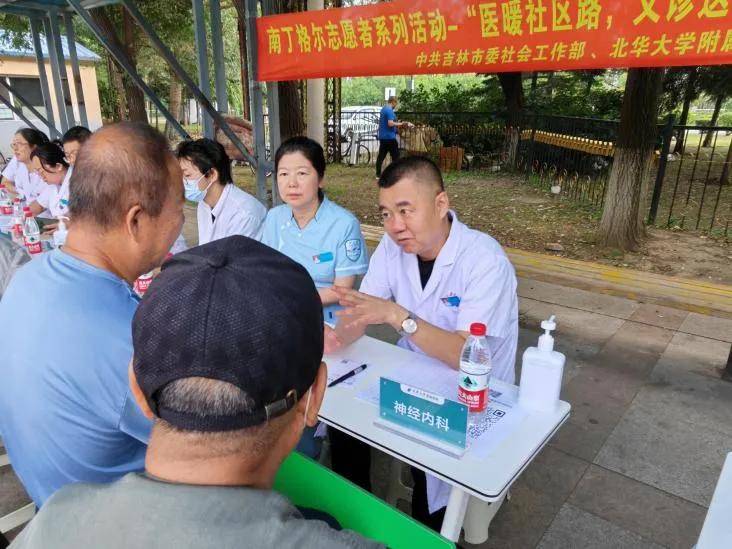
(340, 368)
(501, 418)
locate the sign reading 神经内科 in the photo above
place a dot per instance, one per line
(446, 36)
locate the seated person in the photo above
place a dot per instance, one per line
(319, 234)
(430, 278)
(71, 141)
(229, 393)
(223, 208)
(19, 176)
(66, 412)
(49, 162)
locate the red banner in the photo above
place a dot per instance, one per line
(445, 36)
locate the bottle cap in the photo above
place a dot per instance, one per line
(477, 329)
(546, 341)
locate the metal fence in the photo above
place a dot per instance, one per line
(690, 181)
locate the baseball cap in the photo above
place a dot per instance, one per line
(232, 310)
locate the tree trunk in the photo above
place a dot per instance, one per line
(135, 97)
(713, 122)
(689, 96)
(243, 59)
(115, 77)
(513, 93)
(175, 96)
(724, 179)
(622, 225)
(291, 119)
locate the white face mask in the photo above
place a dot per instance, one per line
(307, 407)
(193, 193)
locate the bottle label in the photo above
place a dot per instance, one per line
(473, 391)
(142, 284)
(7, 209)
(33, 243)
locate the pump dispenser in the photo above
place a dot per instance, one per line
(541, 372)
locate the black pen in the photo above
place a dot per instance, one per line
(348, 375)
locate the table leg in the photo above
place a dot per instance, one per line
(454, 514)
(478, 518)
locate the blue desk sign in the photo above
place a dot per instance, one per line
(423, 416)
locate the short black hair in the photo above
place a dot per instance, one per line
(422, 168)
(77, 133)
(206, 154)
(33, 137)
(310, 149)
(50, 154)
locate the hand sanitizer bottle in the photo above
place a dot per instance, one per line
(59, 237)
(541, 373)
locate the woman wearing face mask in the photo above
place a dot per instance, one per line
(49, 162)
(19, 176)
(317, 233)
(223, 209)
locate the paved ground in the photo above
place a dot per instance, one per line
(637, 462)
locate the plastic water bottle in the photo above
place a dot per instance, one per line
(18, 219)
(32, 235)
(6, 204)
(59, 237)
(475, 373)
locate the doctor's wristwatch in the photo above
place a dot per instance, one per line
(409, 325)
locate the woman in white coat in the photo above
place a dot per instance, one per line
(223, 209)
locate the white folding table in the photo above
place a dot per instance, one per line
(717, 530)
(487, 478)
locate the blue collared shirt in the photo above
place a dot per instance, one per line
(386, 131)
(66, 411)
(329, 247)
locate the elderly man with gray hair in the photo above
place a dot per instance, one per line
(66, 412)
(231, 379)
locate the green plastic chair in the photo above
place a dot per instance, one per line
(308, 484)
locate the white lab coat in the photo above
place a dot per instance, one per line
(56, 198)
(236, 212)
(28, 184)
(471, 267)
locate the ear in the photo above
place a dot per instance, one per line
(316, 398)
(138, 395)
(442, 203)
(213, 175)
(132, 221)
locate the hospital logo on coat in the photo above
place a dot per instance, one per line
(451, 300)
(353, 249)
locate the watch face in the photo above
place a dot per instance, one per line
(409, 326)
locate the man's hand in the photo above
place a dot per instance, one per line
(365, 309)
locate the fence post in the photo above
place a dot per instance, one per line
(662, 161)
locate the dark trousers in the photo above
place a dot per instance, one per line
(386, 146)
(351, 459)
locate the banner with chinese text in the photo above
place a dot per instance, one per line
(446, 36)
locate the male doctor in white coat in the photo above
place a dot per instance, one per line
(430, 278)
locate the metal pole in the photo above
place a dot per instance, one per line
(125, 63)
(56, 30)
(75, 70)
(662, 161)
(217, 41)
(51, 129)
(255, 98)
(204, 82)
(18, 112)
(273, 117)
(35, 25)
(56, 75)
(166, 54)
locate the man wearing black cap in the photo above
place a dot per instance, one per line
(231, 374)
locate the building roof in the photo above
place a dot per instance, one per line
(8, 49)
